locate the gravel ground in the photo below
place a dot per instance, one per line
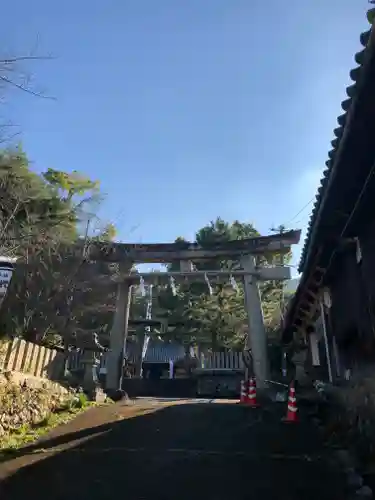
(175, 450)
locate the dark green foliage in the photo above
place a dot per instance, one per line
(52, 292)
(219, 320)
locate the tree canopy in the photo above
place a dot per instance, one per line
(40, 221)
(216, 320)
(56, 296)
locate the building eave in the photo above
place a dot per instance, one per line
(345, 121)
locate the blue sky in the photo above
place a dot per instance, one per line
(186, 110)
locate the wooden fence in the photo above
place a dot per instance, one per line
(26, 357)
(229, 359)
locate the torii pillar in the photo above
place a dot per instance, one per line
(256, 338)
(118, 336)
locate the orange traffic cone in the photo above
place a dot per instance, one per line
(291, 414)
(243, 394)
(251, 399)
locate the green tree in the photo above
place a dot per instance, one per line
(219, 320)
(225, 317)
(40, 218)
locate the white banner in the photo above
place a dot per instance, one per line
(5, 277)
(145, 346)
(314, 346)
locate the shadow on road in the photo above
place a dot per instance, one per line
(198, 451)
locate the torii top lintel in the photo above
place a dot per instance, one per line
(184, 250)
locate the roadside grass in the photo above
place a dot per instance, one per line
(29, 433)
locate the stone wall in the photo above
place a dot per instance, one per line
(16, 355)
(28, 404)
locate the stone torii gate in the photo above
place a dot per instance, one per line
(245, 251)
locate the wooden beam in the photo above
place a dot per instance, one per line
(277, 273)
(304, 310)
(320, 270)
(316, 283)
(159, 277)
(169, 252)
(312, 294)
(307, 301)
(309, 312)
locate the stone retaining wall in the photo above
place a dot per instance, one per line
(28, 403)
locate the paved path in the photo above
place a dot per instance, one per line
(174, 450)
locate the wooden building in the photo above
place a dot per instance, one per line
(333, 310)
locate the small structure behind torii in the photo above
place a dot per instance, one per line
(245, 251)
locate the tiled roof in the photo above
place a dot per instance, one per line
(158, 352)
(339, 133)
(163, 353)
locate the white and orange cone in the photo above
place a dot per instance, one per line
(251, 399)
(291, 414)
(243, 393)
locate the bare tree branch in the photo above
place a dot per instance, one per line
(12, 60)
(13, 75)
(19, 86)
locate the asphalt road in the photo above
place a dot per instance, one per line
(175, 450)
